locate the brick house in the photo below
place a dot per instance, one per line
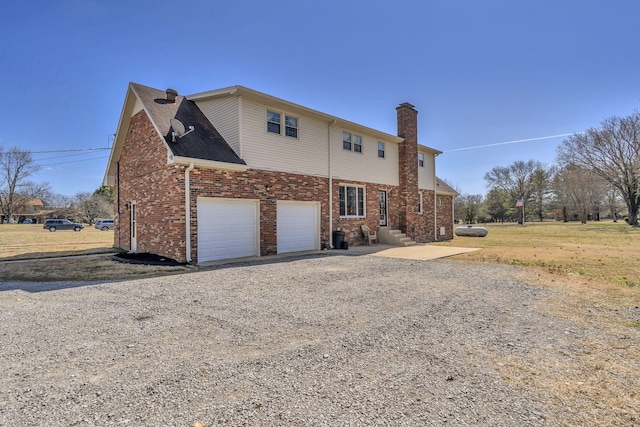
(234, 172)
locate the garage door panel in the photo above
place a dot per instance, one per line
(298, 226)
(226, 228)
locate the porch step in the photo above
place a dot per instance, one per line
(393, 237)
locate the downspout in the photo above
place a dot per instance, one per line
(435, 201)
(187, 211)
(118, 201)
(330, 185)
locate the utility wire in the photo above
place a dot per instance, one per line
(74, 161)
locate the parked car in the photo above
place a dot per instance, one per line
(61, 224)
(104, 224)
(28, 221)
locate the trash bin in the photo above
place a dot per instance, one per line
(338, 239)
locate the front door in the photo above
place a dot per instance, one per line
(134, 244)
(383, 208)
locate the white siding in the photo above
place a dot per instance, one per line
(223, 113)
(365, 166)
(137, 107)
(306, 154)
(425, 174)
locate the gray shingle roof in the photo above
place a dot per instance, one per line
(205, 142)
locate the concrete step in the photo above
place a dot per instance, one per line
(394, 237)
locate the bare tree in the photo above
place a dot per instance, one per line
(580, 190)
(517, 180)
(16, 166)
(613, 153)
(90, 207)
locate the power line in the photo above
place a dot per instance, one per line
(75, 161)
(511, 142)
(68, 151)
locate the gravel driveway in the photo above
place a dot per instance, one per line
(330, 340)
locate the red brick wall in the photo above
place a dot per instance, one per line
(445, 216)
(351, 226)
(268, 187)
(157, 189)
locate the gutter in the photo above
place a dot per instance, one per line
(187, 211)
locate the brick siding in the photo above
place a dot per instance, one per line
(158, 190)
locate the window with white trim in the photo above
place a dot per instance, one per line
(346, 141)
(381, 149)
(420, 159)
(419, 203)
(357, 143)
(291, 126)
(351, 141)
(351, 201)
(274, 124)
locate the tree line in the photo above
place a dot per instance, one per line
(18, 191)
(596, 174)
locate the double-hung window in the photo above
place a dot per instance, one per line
(357, 143)
(352, 142)
(381, 149)
(274, 124)
(346, 141)
(291, 126)
(420, 159)
(419, 203)
(351, 201)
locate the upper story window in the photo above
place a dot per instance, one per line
(291, 126)
(420, 159)
(351, 201)
(274, 124)
(381, 149)
(352, 142)
(346, 141)
(357, 143)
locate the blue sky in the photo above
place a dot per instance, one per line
(479, 72)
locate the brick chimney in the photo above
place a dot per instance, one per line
(408, 168)
(171, 96)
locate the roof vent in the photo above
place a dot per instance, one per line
(171, 96)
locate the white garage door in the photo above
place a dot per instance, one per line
(298, 226)
(227, 228)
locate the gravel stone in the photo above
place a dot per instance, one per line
(316, 341)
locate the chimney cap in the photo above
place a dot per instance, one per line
(406, 105)
(171, 95)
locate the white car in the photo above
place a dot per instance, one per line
(104, 224)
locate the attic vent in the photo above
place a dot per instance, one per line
(171, 96)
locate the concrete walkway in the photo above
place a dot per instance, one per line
(417, 252)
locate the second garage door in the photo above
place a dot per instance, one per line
(227, 228)
(298, 226)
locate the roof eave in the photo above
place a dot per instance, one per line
(208, 164)
(293, 107)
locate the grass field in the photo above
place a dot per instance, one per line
(601, 250)
(33, 243)
(26, 241)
